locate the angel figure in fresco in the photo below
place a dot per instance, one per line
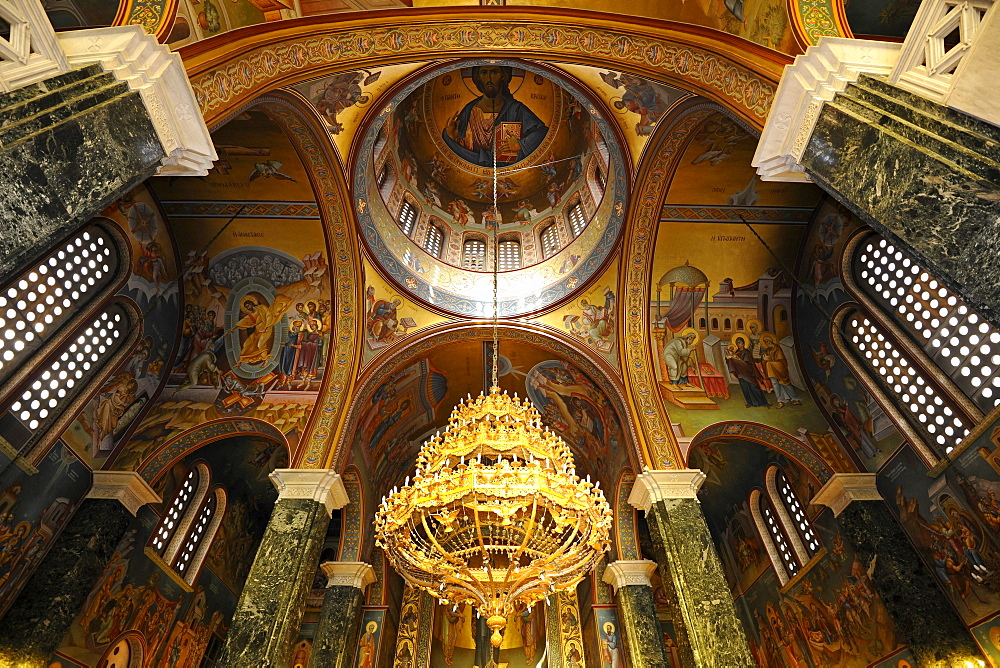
(342, 92)
(269, 170)
(260, 318)
(460, 212)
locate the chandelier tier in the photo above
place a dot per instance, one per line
(495, 516)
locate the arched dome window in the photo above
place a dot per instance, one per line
(577, 219)
(509, 254)
(408, 218)
(474, 254)
(959, 341)
(772, 534)
(185, 532)
(549, 239)
(434, 241)
(791, 514)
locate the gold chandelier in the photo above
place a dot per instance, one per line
(495, 516)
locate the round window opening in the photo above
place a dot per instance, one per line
(485, 163)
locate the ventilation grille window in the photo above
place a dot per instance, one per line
(435, 241)
(788, 558)
(407, 217)
(550, 241)
(172, 519)
(196, 534)
(926, 409)
(956, 338)
(509, 253)
(797, 514)
(54, 387)
(474, 254)
(34, 307)
(577, 221)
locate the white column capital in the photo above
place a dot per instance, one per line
(355, 574)
(320, 485)
(626, 572)
(842, 488)
(127, 487)
(653, 486)
(814, 78)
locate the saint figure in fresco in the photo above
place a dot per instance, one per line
(611, 656)
(677, 357)
(494, 118)
(366, 646)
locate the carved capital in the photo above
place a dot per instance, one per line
(653, 486)
(320, 485)
(355, 574)
(628, 572)
(843, 488)
(127, 487)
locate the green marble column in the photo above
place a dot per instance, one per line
(924, 617)
(336, 637)
(41, 614)
(269, 612)
(687, 558)
(637, 613)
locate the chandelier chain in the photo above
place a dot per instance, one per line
(495, 215)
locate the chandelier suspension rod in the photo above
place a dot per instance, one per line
(496, 264)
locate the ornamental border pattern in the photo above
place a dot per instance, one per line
(339, 235)
(351, 534)
(625, 533)
(637, 266)
(817, 19)
(297, 58)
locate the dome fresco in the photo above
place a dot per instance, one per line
(424, 184)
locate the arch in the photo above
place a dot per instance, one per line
(351, 535)
(733, 72)
(626, 536)
(125, 651)
(175, 449)
(766, 536)
(775, 439)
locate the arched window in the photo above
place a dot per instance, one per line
(791, 514)
(902, 386)
(185, 532)
(435, 240)
(956, 338)
(739, 324)
(728, 324)
(701, 323)
(577, 220)
(474, 254)
(715, 323)
(772, 534)
(53, 292)
(386, 179)
(549, 239)
(408, 217)
(509, 255)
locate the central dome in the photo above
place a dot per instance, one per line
(430, 178)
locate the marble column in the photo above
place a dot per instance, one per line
(51, 598)
(336, 636)
(924, 617)
(269, 612)
(688, 560)
(637, 613)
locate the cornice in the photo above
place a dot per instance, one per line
(127, 487)
(320, 485)
(843, 488)
(623, 573)
(653, 486)
(355, 574)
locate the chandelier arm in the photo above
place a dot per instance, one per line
(482, 544)
(527, 536)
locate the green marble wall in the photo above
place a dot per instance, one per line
(684, 551)
(932, 630)
(336, 635)
(41, 614)
(266, 624)
(641, 627)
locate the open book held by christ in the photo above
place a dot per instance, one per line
(505, 132)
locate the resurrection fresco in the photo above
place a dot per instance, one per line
(134, 594)
(722, 298)
(828, 615)
(427, 163)
(258, 311)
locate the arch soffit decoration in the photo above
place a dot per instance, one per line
(775, 439)
(184, 444)
(229, 69)
(392, 360)
(660, 159)
(351, 516)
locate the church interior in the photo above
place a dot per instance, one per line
(308, 306)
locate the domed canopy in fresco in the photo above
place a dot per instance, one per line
(431, 174)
